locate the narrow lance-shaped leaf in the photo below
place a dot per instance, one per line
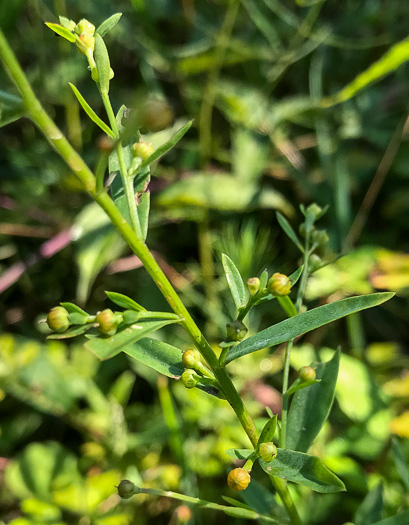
(370, 510)
(108, 24)
(389, 62)
(103, 65)
(400, 519)
(400, 463)
(62, 31)
(305, 322)
(143, 213)
(268, 431)
(91, 113)
(310, 407)
(107, 347)
(72, 332)
(124, 301)
(298, 385)
(162, 150)
(234, 281)
(288, 230)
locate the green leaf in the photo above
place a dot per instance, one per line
(389, 62)
(143, 212)
(303, 469)
(73, 308)
(287, 305)
(310, 407)
(298, 385)
(259, 498)
(62, 31)
(296, 275)
(234, 281)
(236, 503)
(102, 62)
(305, 322)
(72, 332)
(240, 453)
(162, 150)
(162, 357)
(108, 24)
(108, 347)
(400, 463)
(288, 230)
(400, 519)
(11, 108)
(76, 318)
(124, 301)
(91, 113)
(268, 431)
(370, 510)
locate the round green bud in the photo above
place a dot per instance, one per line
(236, 330)
(108, 321)
(126, 489)
(253, 285)
(302, 230)
(238, 479)
(279, 285)
(314, 262)
(320, 237)
(306, 373)
(143, 150)
(57, 319)
(191, 358)
(315, 210)
(267, 451)
(189, 378)
(84, 27)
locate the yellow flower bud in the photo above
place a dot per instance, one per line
(57, 319)
(253, 285)
(279, 285)
(143, 150)
(108, 322)
(84, 27)
(238, 479)
(191, 358)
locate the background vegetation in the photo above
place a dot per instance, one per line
(260, 78)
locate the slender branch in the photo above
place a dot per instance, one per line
(55, 137)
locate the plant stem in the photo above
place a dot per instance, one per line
(289, 346)
(57, 140)
(127, 181)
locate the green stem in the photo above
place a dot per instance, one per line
(57, 140)
(231, 511)
(127, 180)
(289, 346)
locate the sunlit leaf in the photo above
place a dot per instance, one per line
(234, 281)
(62, 31)
(305, 322)
(310, 407)
(91, 113)
(108, 24)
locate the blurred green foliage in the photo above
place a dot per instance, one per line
(252, 74)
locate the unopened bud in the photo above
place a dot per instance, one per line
(253, 285)
(306, 373)
(189, 378)
(57, 319)
(320, 237)
(84, 27)
(267, 451)
(108, 321)
(88, 41)
(314, 210)
(143, 150)
(126, 489)
(279, 285)
(238, 479)
(236, 330)
(191, 358)
(314, 262)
